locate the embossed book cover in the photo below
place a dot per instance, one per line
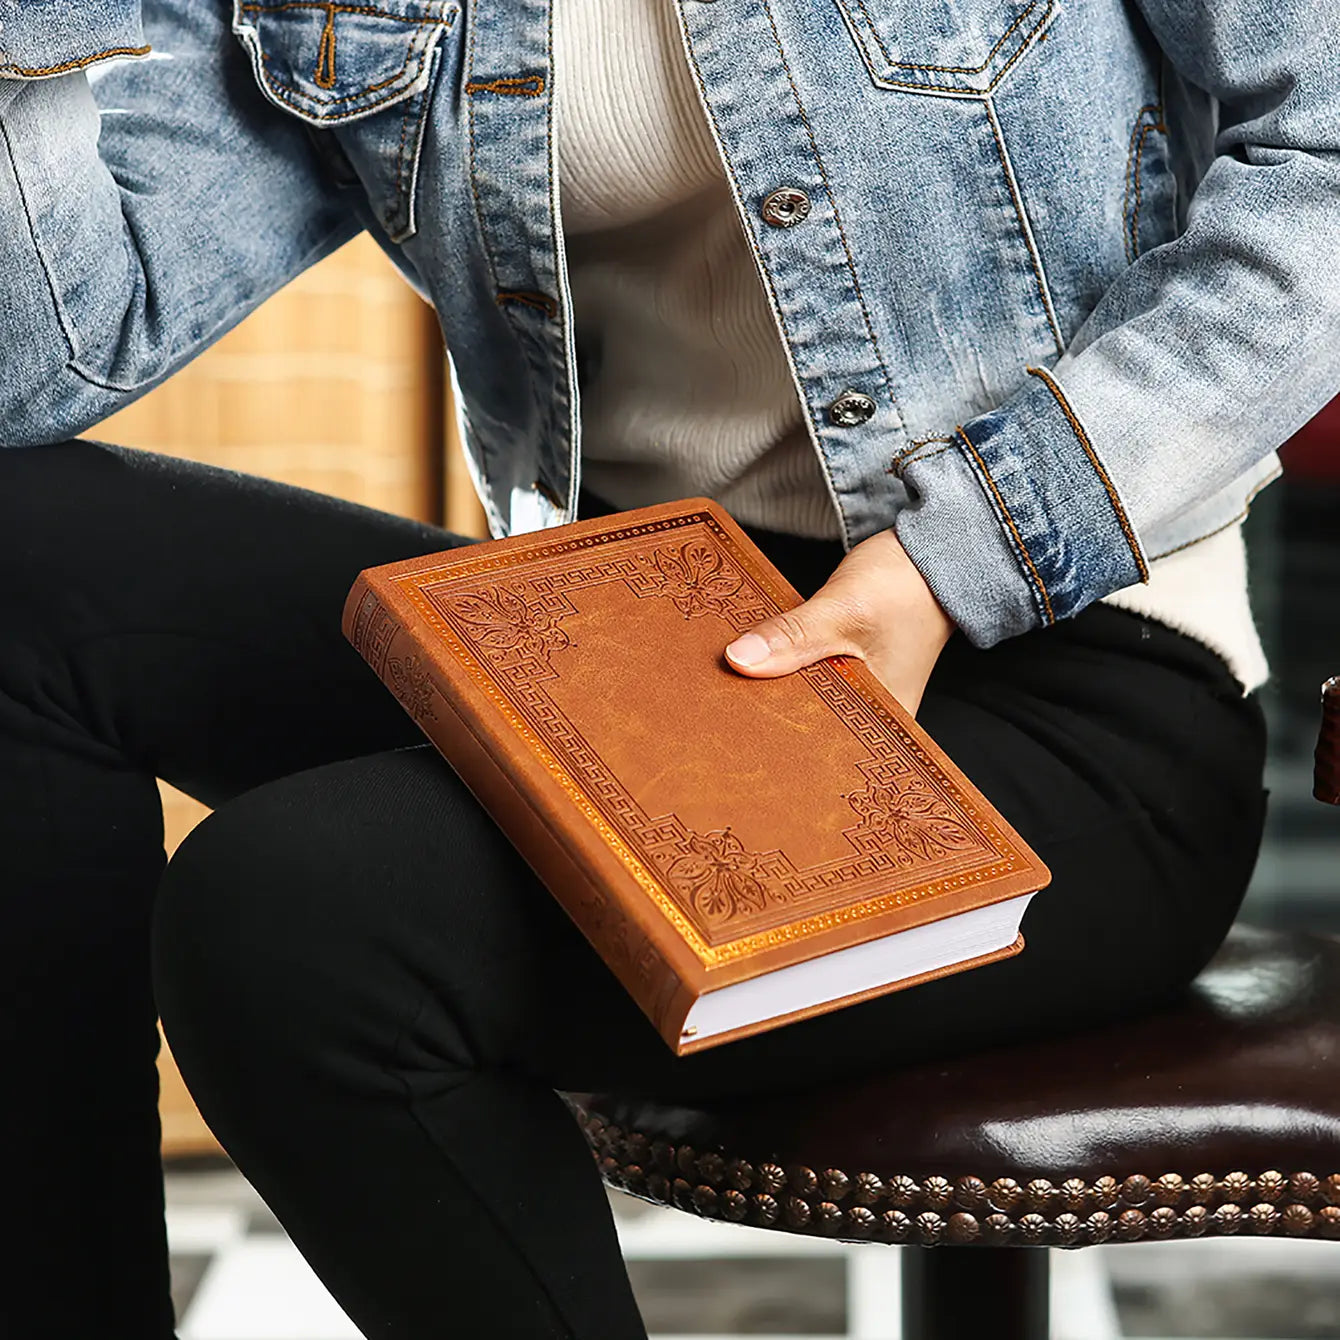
(741, 852)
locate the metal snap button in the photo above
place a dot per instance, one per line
(850, 409)
(785, 207)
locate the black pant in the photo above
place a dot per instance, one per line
(366, 987)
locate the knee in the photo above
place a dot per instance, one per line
(254, 949)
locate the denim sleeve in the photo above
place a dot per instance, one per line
(146, 204)
(1204, 356)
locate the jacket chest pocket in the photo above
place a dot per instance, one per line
(362, 72)
(953, 48)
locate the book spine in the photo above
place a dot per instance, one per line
(383, 637)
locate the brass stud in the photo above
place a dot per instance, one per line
(734, 1206)
(970, 1192)
(1106, 1192)
(1135, 1189)
(869, 1188)
(938, 1192)
(1169, 1189)
(903, 1190)
(705, 1202)
(836, 1183)
(1271, 1186)
(1074, 1192)
(1304, 1186)
(963, 1228)
(1203, 1187)
(803, 1180)
(712, 1168)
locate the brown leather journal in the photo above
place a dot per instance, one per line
(741, 852)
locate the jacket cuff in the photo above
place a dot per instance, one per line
(1017, 523)
(61, 36)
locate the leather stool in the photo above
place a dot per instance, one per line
(1221, 1117)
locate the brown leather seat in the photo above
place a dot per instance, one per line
(1220, 1117)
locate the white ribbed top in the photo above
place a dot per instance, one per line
(690, 392)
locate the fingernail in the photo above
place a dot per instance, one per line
(749, 650)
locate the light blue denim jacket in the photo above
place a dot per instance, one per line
(1077, 260)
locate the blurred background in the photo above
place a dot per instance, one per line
(339, 384)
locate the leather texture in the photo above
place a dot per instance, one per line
(1221, 1114)
(699, 826)
(1327, 784)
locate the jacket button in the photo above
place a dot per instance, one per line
(851, 408)
(786, 207)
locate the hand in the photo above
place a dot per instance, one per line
(875, 606)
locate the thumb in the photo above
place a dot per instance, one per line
(795, 638)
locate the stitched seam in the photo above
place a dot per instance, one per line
(1025, 228)
(31, 72)
(474, 173)
(1040, 587)
(63, 320)
(968, 91)
(765, 275)
(943, 69)
(1146, 110)
(1232, 521)
(1134, 156)
(1139, 197)
(915, 445)
(317, 252)
(337, 9)
(540, 301)
(1078, 429)
(910, 458)
(296, 97)
(837, 216)
(515, 86)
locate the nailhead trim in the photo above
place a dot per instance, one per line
(865, 1207)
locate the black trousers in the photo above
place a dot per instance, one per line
(371, 995)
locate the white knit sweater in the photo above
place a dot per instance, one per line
(691, 393)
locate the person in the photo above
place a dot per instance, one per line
(983, 318)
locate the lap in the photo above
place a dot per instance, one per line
(375, 898)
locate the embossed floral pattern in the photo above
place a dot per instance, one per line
(504, 622)
(695, 577)
(722, 877)
(411, 685)
(920, 824)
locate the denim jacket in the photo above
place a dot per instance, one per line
(1068, 273)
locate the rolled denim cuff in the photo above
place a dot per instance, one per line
(1018, 524)
(61, 36)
